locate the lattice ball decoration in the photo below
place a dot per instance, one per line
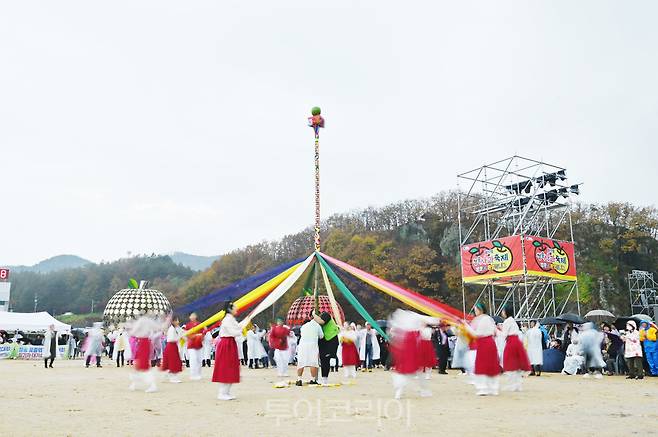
(302, 306)
(131, 303)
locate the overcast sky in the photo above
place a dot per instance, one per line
(161, 126)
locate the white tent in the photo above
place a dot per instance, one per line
(30, 322)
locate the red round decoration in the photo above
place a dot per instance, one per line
(302, 307)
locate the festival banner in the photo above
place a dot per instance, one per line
(549, 258)
(26, 352)
(492, 260)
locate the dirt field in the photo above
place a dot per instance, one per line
(71, 400)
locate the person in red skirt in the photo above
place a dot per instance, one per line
(349, 353)
(405, 327)
(427, 352)
(171, 361)
(143, 329)
(227, 363)
(515, 357)
(487, 365)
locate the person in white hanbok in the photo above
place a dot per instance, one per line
(534, 338)
(574, 359)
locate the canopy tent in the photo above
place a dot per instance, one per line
(30, 322)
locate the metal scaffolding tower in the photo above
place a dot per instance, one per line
(519, 196)
(643, 293)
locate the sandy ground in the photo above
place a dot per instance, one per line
(71, 400)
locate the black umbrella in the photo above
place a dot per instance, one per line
(551, 321)
(620, 322)
(382, 323)
(571, 317)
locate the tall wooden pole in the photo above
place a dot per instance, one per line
(316, 122)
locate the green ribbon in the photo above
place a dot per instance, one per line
(350, 297)
(307, 289)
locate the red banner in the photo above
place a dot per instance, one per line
(502, 259)
(495, 259)
(551, 258)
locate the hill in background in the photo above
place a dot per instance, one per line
(63, 262)
(59, 262)
(195, 262)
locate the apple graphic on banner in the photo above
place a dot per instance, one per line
(501, 257)
(561, 259)
(480, 259)
(543, 255)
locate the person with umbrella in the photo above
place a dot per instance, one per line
(568, 335)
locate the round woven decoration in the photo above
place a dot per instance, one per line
(131, 303)
(302, 306)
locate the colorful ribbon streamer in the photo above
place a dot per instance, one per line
(332, 299)
(248, 299)
(350, 297)
(280, 290)
(415, 300)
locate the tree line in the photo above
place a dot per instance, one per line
(414, 243)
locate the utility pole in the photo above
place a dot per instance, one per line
(36, 300)
(92, 305)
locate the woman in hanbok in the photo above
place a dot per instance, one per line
(515, 358)
(144, 329)
(487, 365)
(171, 361)
(427, 353)
(348, 352)
(227, 362)
(405, 327)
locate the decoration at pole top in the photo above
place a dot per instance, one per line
(316, 121)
